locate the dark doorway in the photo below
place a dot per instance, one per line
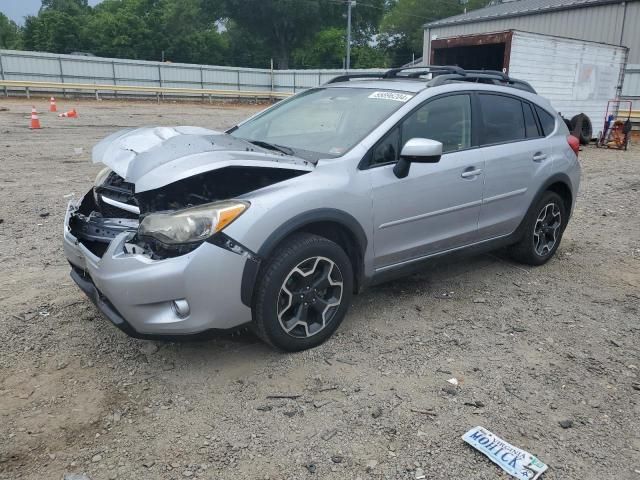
(484, 51)
(476, 57)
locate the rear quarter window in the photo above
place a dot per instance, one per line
(547, 121)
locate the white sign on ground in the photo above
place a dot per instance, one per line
(511, 459)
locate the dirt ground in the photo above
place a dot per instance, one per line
(531, 347)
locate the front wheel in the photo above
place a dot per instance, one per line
(303, 294)
(544, 226)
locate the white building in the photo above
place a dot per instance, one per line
(480, 38)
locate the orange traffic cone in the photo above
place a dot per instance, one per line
(69, 114)
(52, 105)
(35, 121)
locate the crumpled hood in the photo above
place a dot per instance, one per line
(152, 157)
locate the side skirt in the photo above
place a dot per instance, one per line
(393, 272)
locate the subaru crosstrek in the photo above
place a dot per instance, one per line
(278, 221)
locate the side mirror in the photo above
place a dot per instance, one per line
(419, 150)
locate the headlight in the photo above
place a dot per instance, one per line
(101, 177)
(191, 224)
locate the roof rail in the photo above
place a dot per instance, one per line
(442, 74)
(353, 76)
(412, 72)
(483, 76)
(497, 73)
(418, 71)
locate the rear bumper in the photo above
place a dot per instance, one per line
(138, 294)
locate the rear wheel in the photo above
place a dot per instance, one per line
(304, 293)
(544, 226)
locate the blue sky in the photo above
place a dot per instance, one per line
(16, 10)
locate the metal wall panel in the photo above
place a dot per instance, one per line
(631, 34)
(631, 86)
(597, 24)
(616, 24)
(38, 66)
(575, 76)
(75, 69)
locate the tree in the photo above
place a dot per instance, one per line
(53, 31)
(245, 49)
(190, 33)
(10, 35)
(325, 50)
(404, 24)
(283, 24)
(368, 56)
(69, 6)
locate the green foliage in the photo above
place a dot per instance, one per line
(300, 33)
(403, 24)
(367, 56)
(53, 31)
(325, 50)
(10, 35)
(69, 6)
(122, 30)
(283, 24)
(245, 48)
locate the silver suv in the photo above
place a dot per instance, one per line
(277, 222)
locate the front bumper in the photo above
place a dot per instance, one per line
(137, 293)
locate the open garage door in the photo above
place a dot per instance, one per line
(489, 51)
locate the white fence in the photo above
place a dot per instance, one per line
(47, 67)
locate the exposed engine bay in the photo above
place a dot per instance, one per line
(173, 188)
(113, 206)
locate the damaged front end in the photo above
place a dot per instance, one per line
(169, 221)
(146, 243)
(168, 217)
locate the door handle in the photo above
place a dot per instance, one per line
(471, 173)
(539, 157)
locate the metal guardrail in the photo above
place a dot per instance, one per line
(30, 87)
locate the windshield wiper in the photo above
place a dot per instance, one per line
(272, 146)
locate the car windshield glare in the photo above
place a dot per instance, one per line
(323, 122)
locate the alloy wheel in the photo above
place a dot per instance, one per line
(309, 297)
(546, 229)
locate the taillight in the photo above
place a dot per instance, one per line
(574, 143)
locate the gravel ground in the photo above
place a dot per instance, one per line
(531, 347)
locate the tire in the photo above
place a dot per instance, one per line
(302, 262)
(535, 247)
(581, 127)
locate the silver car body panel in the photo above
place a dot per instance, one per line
(151, 158)
(434, 210)
(143, 290)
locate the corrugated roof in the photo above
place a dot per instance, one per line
(517, 8)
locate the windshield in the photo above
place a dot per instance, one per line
(325, 122)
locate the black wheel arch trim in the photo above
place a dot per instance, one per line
(346, 220)
(556, 178)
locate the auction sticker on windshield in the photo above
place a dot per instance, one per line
(396, 96)
(511, 459)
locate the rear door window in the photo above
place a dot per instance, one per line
(502, 119)
(546, 120)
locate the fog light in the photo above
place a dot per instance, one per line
(181, 307)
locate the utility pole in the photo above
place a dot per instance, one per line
(350, 3)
